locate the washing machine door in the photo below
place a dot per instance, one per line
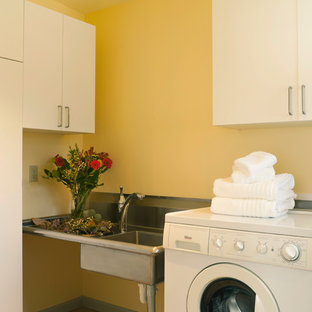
(226, 287)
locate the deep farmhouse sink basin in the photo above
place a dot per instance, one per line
(139, 238)
(135, 255)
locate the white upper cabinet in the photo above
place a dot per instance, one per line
(59, 74)
(11, 29)
(305, 59)
(79, 75)
(42, 67)
(261, 59)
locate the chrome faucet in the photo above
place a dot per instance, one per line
(124, 210)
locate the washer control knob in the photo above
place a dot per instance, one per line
(262, 248)
(239, 245)
(290, 252)
(218, 243)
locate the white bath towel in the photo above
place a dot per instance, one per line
(251, 207)
(277, 189)
(252, 164)
(265, 175)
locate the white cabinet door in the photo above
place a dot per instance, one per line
(11, 84)
(42, 67)
(11, 29)
(305, 59)
(79, 75)
(59, 75)
(254, 61)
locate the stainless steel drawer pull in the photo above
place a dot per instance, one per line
(303, 99)
(67, 117)
(59, 115)
(290, 113)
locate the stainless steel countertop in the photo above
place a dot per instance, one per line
(94, 241)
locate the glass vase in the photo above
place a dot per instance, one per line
(79, 201)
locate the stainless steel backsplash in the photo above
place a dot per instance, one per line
(149, 212)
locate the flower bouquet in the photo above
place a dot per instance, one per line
(79, 172)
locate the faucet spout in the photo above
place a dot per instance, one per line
(124, 210)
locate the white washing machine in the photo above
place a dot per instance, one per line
(218, 263)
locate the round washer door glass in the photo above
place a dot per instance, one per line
(227, 295)
(228, 287)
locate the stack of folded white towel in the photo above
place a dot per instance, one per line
(253, 189)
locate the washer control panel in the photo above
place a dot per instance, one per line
(282, 250)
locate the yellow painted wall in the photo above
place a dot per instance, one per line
(52, 273)
(154, 104)
(45, 197)
(118, 291)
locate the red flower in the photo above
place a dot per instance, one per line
(107, 162)
(59, 161)
(95, 164)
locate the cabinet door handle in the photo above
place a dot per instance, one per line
(290, 113)
(59, 115)
(303, 99)
(67, 117)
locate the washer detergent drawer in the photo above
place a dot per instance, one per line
(186, 237)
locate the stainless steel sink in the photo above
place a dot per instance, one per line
(135, 255)
(139, 238)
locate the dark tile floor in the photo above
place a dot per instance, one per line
(83, 310)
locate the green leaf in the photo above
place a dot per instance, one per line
(48, 173)
(55, 174)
